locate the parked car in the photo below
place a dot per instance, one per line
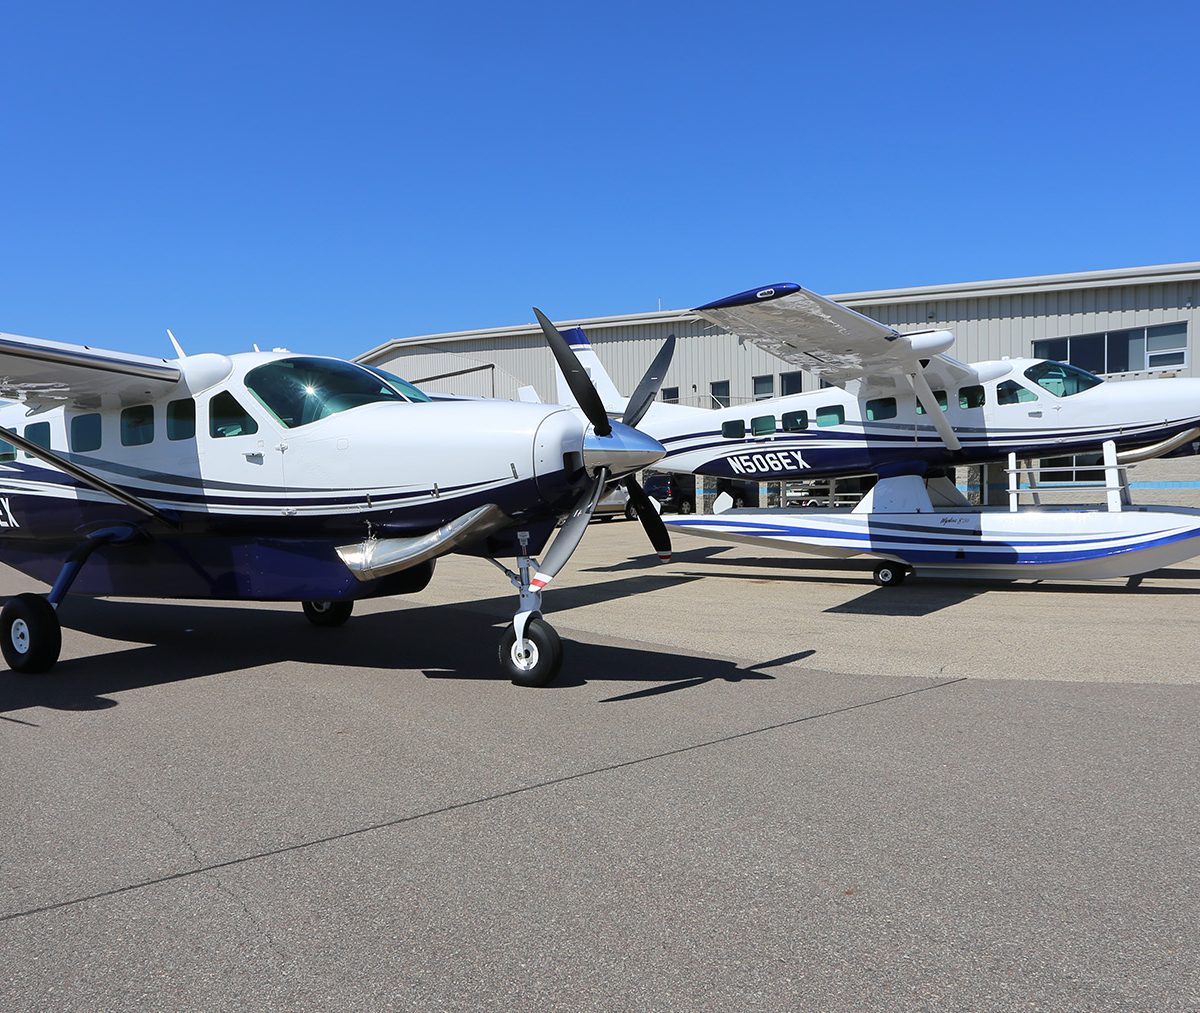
(676, 493)
(614, 503)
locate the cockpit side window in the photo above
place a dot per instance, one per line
(228, 418)
(1062, 379)
(1011, 392)
(303, 390)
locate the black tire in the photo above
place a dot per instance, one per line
(542, 660)
(327, 613)
(630, 512)
(30, 634)
(890, 574)
(686, 506)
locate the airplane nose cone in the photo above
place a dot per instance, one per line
(624, 451)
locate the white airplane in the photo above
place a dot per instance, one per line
(902, 409)
(268, 476)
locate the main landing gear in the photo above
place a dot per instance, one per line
(530, 651)
(30, 633)
(327, 613)
(890, 574)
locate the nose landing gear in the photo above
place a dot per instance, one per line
(530, 650)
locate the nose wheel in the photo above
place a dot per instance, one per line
(537, 660)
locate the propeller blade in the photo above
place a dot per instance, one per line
(647, 389)
(577, 379)
(570, 534)
(656, 530)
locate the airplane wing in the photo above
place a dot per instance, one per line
(834, 342)
(46, 374)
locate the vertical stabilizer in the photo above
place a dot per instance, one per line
(613, 399)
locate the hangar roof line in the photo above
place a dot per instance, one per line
(1148, 275)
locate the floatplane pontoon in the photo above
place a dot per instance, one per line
(929, 528)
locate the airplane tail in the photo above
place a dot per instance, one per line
(614, 401)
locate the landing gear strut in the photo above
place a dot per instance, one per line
(530, 650)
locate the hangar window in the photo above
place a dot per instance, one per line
(719, 390)
(85, 432)
(791, 383)
(831, 415)
(670, 395)
(1011, 392)
(881, 408)
(940, 397)
(794, 422)
(1130, 350)
(228, 418)
(764, 425)
(1060, 379)
(303, 390)
(181, 419)
(39, 433)
(764, 387)
(971, 397)
(137, 425)
(734, 430)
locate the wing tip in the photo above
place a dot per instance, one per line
(753, 295)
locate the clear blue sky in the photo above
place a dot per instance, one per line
(326, 176)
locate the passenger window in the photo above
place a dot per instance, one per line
(228, 418)
(1011, 392)
(971, 397)
(794, 422)
(181, 419)
(831, 415)
(137, 425)
(881, 408)
(734, 430)
(39, 433)
(85, 432)
(940, 396)
(764, 425)
(7, 451)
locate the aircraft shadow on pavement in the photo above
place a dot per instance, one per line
(188, 641)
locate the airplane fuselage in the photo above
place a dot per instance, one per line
(833, 432)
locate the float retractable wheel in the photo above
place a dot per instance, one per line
(327, 613)
(539, 663)
(890, 574)
(30, 634)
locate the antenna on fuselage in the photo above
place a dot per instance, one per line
(176, 345)
(256, 348)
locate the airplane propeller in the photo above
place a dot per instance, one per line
(590, 402)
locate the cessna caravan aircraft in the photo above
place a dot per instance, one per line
(901, 408)
(269, 476)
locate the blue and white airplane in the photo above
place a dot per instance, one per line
(904, 410)
(268, 476)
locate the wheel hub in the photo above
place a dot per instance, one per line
(526, 660)
(20, 635)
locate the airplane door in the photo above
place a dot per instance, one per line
(242, 453)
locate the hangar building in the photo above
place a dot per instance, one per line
(1122, 324)
(1133, 322)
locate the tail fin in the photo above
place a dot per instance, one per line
(614, 400)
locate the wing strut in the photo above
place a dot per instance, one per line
(920, 387)
(86, 477)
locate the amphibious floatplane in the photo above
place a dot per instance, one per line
(901, 409)
(268, 476)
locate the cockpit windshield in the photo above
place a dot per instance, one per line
(409, 390)
(302, 390)
(1062, 379)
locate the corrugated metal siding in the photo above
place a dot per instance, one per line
(985, 328)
